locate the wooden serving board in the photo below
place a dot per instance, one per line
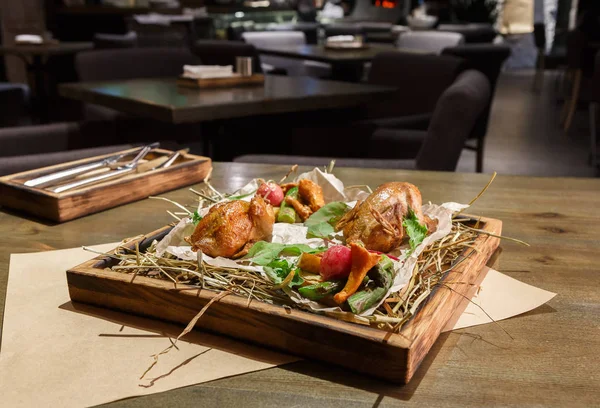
(59, 207)
(228, 82)
(393, 357)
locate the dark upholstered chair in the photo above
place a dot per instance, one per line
(430, 41)
(576, 69)
(473, 33)
(488, 59)
(455, 114)
(131, 63)
(29, 147)
(539, 38)
(595, 101)
(217, 52)
(14, 103)
(420, 80)
(159, 62)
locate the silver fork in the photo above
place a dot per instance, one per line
(53, 178)
(121, 170)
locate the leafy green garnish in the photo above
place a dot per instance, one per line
(416, 232)
(278, 269)
(320, 224)
(196, 218)
(263, 253)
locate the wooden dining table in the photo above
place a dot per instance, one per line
(165, 100)
(547, 357)
(346, 64)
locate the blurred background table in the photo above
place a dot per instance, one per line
(163, 99)
(346, 65)
(35, 57)
(551, 359)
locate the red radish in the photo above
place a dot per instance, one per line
(271, 192)
(336, 263)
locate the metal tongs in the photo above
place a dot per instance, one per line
(118, 172)
(54, 178)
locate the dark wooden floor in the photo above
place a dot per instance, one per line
(524, 136)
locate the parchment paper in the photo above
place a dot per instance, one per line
(501, 297)
(55, 353)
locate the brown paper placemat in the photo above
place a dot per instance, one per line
(55, 353)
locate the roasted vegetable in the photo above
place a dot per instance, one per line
(287, 213)
(381, 277)
(362, 262)
(310, 263)
(320, 290)
(271, 192)
(336, 263)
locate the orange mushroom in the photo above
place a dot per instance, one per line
(362, 262)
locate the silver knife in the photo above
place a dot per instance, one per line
(84, 168)
(127, 168)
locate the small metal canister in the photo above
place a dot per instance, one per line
(243, 66)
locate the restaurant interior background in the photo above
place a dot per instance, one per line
(538, 124)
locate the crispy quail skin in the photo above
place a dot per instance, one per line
(230, 229)
(377, 221)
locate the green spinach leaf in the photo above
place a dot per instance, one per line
(416, 231)
(320, 224)
(278, 269)
(263, 253)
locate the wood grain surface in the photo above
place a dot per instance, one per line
(551, 360)
(391, 356)
(60, 207)
(226, 82)
(162, 99)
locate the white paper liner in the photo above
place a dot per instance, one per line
(333, 190)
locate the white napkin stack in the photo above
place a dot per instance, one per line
(28, 39)
(340, 38)
(207, 71)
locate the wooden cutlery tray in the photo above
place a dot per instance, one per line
(60, 207)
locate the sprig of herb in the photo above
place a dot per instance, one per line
(416, 231)
(196, 218)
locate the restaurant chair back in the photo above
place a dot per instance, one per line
(107, 41)
(454, 117)
(132, 63)
(539, 38)
(473, 33)
(161, 35)
(30, 147)
(219, 52)
(488, 59)
(576, 70)
(15, 101)
(430, 41)
(420, 79)
(594, 103)
(283, 39)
